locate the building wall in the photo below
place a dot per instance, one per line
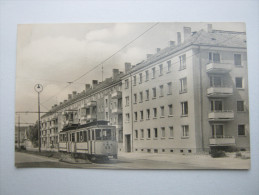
(162, 143)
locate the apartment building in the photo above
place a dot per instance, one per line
(99, 101)
(188, 97)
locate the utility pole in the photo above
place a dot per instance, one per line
(19, 132)
(38, 88)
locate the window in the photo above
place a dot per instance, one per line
(163, 132)
(183, 85)
(170, 110)
(147, 75)
(136, 134)
(171, 132)
(216, 81)
(185, 131)
(216, 105)
(154, 93)
(237, 60)
(141, 96)
(134, 80)
(153, 72)
(141, 115)
(135, 116)
(161, 90)
(127, 100)
(148, 113)
(135, 98)
(241, 130)
(147, 95)
(148, 133)
(169, 66)
(169, 88)
(142, 133)
(140, 78)
(240, 106)
(161, 69)
(126, 84)
(162, 111)
(239, 82)
(155, 112)
(106, 115)
(155, 133)
(127, 117)
(106, 102)
(184, 106)
(214, 57)
(217, 131)
(182, 59)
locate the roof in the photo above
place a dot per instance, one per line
(106, 83)
(216, 38)
(78, 126)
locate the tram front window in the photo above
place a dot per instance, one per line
(98, 134)
(107, 134)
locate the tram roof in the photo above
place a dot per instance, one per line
(78, 126)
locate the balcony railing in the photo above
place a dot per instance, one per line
(224, 115)
(222, 140)
(117, 110)
(219, 91)
(218, 67)
(91, 103)
(116, 95)
(91, 116)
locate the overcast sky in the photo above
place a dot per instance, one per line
(55, 54)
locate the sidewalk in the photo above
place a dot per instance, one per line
(201, 160)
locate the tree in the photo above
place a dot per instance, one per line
(33, 134)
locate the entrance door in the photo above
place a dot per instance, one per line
(128, 143)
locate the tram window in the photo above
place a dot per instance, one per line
(77, 137)
(107, 135)
(88, 132)
(84, 136)
(81, 136)
(92, 134)
(73, 137)
(98, 135)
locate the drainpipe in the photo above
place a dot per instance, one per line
(131, 109)
(201, 90)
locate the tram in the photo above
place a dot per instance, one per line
(94, 140)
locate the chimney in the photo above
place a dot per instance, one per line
(94, 83)
(65, 101)
(69, 97)
(187, 31)
(148, 56)
(172, 43)
(209, 28)
(115, 73)
(55, 105)
(74, 94)
(87, 86)
(60, 103)
(179, 40)
(158, 50)
(127, 67)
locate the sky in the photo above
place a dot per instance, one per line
(56, 54)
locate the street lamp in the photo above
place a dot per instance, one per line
(38, 88)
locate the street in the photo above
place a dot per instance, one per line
(136, 161)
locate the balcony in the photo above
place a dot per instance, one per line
(219, 91)
(117, 95)
(223, 141)
(91, 104)
(117, 110)
(224, 115)
(218, 68)
(91, 116)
